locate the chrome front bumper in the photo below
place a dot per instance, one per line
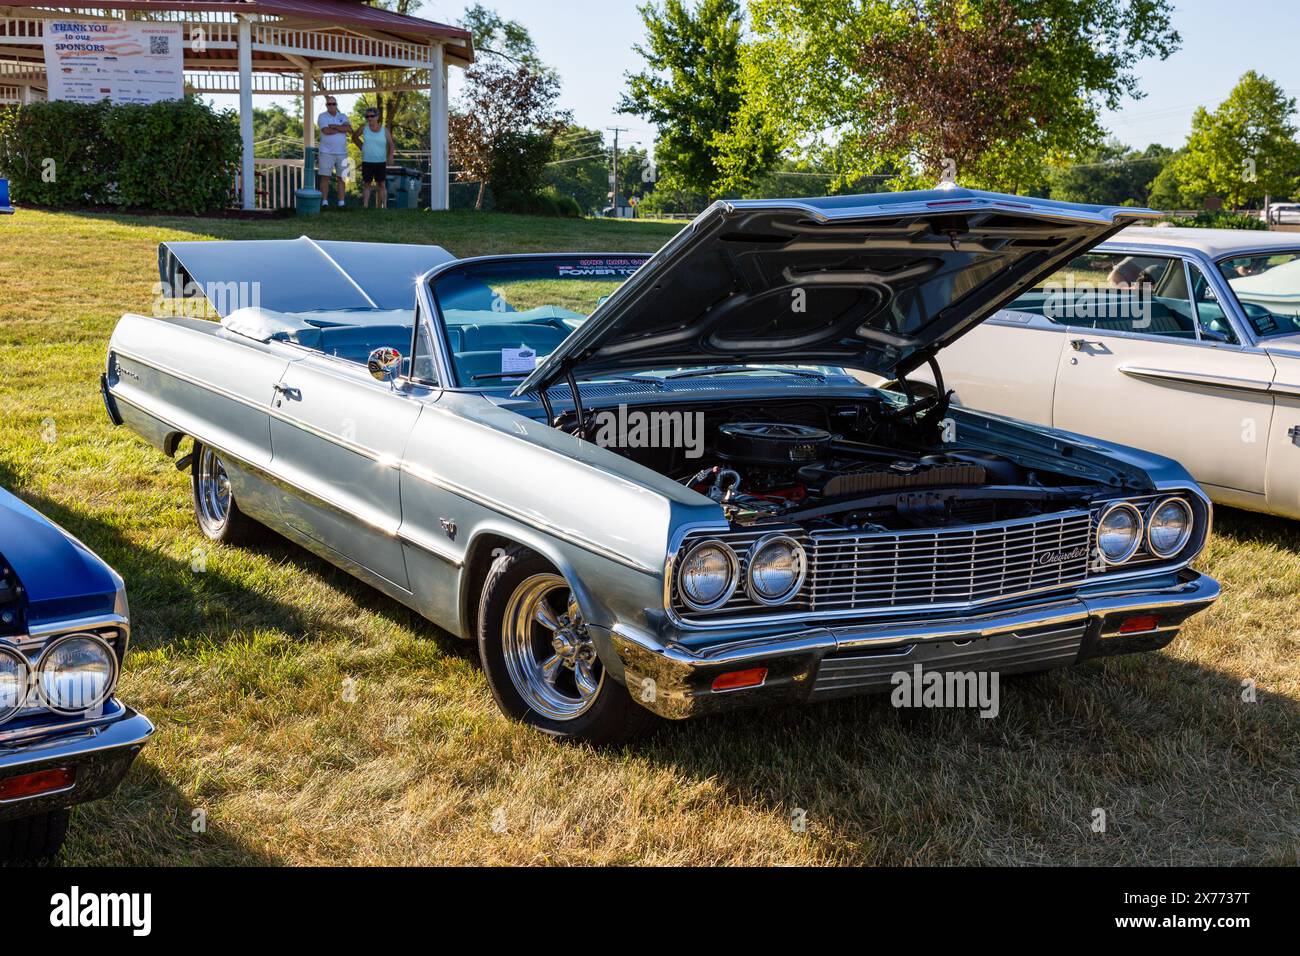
(820, 662)
(99, 756)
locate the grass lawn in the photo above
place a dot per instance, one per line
(243, 668)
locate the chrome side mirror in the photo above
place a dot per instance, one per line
(385, 364)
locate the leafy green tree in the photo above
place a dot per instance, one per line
(691, 91)
(496, 36)
(1246, 149)
(985, 92)
(277, 131)
(580, 167)
(1170, 191)
(1110, 175)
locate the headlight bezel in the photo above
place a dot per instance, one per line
(1138, 536)
(1186, 536)
(733, 574)
(25, 668)
(109, 687)
(759, 546)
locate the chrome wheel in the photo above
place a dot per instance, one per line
(548, 653)
(212, 490)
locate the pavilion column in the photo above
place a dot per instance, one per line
(308, 114)
(246, 112)
(439, 165)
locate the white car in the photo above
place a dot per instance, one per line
(1184, 342)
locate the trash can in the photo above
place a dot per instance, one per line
(307, 200)
(403, 187)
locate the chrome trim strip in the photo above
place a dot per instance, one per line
(421, 475)
(1197, 378)
(10, 735)
(1200, 590)
(268, 409)
(500, 508)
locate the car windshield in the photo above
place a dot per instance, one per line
(504, 316)
(1267, 286)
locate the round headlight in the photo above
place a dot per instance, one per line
(14, 678)
(76, 673)
(1119, 532)
(776, 570)
(1168, 527)
(708, 575)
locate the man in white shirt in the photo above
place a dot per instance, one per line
(334, 132)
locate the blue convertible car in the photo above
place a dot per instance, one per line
(64, 738)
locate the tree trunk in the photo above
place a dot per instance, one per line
(482, 188)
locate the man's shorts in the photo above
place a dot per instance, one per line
(374, 173)
(331, 163)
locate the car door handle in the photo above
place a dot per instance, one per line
(288, 392)
(1080, 344)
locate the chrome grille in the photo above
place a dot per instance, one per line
(870, 572)
(948, 566)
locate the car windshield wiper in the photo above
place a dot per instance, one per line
(733, 369)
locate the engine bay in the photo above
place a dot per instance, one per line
(861, 465)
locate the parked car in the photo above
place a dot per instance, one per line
(64, 738)
(1282, 212)
(651, 486)
(1197, 358)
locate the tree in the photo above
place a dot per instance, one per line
(691, 91)
(1246, 149)
(500, 100)
(580, 167)
(1110, 175)
(277, 131)
(497, 36)
(982, 91)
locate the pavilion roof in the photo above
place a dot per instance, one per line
(347, 15)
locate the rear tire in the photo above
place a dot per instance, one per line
(540, 664)
(37, 837)
(215, 508)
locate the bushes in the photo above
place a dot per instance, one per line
(173, 156)
(1218, 220)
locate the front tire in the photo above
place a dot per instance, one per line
(38, 837)
(540, 662)
(215, 508)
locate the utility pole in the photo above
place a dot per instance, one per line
(613, 173)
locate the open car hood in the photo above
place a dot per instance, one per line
(877, 283)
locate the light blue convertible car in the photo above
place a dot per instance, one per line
(650, 486)
(64, 738)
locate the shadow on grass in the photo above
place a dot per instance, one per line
(171, 603)
(147, 819)
(1165, 753)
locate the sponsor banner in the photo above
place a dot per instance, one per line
(123, 62)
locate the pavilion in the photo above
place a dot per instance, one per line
(269, 47)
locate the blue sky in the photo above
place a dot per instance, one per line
(590, 44)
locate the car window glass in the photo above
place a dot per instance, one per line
(1214, 323)
(1267, 287)
(422, 366)
(1116, 292)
